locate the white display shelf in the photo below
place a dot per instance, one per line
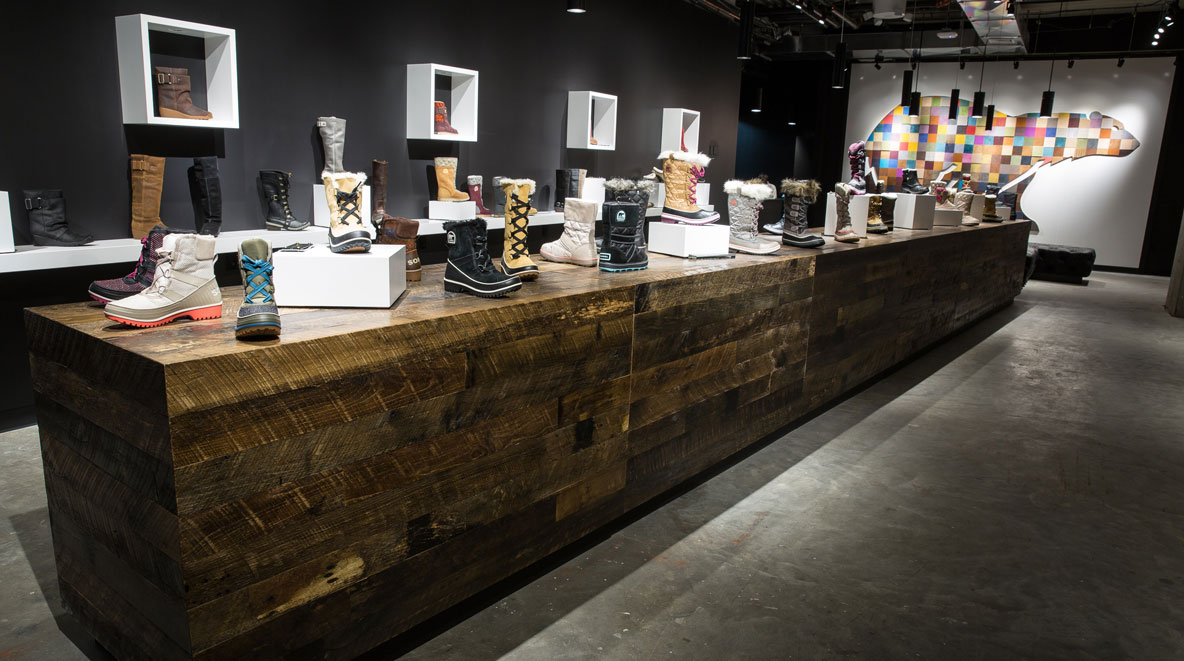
(135, 70)
(7, 244)
(428, 227)
(678, 240)
(117, 251)
(676, 121)
(421, 102)
(312, 278)
(591, 115)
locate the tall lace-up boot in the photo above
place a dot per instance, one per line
(105, 291)
(857, 160)
(446, 181)
(475, 183)
(681, 172)
(888, 211)
(577, 244)
(276, 187)
(875, 220)
(515, 254)
(912, 185)
(147, 177)
(205, 191)
(258, 315)
(469, 269)
(46, 209)
(332, 130)
(799, 195)
(844, 232)
(623, 248)
(173, 95)
(744, 205)
(441, 119)
(343, 193)
(183, 285)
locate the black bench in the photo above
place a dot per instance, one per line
(1060, 263)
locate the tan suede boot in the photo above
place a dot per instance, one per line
(172, 95)
(446, 181)
(147, 174)
(681, 172)
(515, 254)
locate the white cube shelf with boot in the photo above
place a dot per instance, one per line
(858, 210)
(312, 278)
(680, 240)
(320, 207)
(136, 76)
(914, 212)
(680, 130)
(421, 102)
(947, 217)
(460, 210)
(591, 121)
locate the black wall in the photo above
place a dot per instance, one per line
(63, 122)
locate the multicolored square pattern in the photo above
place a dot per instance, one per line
(930, 142)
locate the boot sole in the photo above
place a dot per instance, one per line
(454, 287)
(810, 243)
(847, 239)
(415, 276)
(257, 330)
(617, 269)
(197, 314)
(569, 260)
(357, 245)
(750, 251)
(289, 228)
(525, 272)
(680, 220)
(177, 114)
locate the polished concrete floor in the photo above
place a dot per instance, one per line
(1016, 492)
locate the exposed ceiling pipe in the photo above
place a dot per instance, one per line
(999, 32)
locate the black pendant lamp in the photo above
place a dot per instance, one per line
(980, 97)
(747, 16)
(576, 6)
(954, 100)
(990, 117)
(1046, 98)
(915, 104)
(906, 90)
(838, 74)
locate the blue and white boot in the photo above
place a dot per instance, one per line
(258, 315)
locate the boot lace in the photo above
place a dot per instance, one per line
(697, 173)
(348, 204)
(481, 253)
(164, 271)
(518, 221)
(140, 264)
(258, 279)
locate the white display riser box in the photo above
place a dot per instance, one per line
(7, 239)
(313, 278)
(421, 102)
(594, 192)
(591, 115)
(1003, 212)
(680, 126)
(857, 208)
(947, 217)
(680, 240)
(136, 76)
(320, 206)
(428, 227)
(459, 210)
(978, 206)
(914, 212)
(702, 195)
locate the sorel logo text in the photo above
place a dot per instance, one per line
(451, 237)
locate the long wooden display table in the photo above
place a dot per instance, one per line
(316, 495)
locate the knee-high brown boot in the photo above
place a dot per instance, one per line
(147, 174)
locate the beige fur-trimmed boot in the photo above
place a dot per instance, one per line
(446, 181)
(681, 172)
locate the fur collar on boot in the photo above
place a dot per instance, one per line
(697, 159)
(807, 189)
(758, 190)
(529, 183)
(621, 183)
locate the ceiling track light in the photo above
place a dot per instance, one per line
(760, 99)
(747, 17)
(576, 7)
(1121, 61)
(879, 61)
(838, 74)
(1071, 63)
(1015, 64)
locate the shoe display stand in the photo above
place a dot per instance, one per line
(421, 99)
(858, 210)
(593, 191)
(314, 277)
(947, 217)
(135, 70)
(7, 241)
(320, 209)
(680, 240)
(1003, 212)
(459, 210)
(914, 212)
(591, 115)
(978, 206)
(680, 127)
(428, 226)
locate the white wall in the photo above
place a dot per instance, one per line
(1097, 202)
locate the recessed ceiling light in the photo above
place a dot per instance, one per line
(947, 34)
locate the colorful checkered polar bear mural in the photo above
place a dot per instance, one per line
(931, 142)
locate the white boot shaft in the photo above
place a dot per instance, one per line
(577, 244)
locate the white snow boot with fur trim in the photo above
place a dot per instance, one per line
(744, 205)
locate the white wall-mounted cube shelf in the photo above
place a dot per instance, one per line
(135, 71)
(7, 243)
(680, 125)
(591, 115)
(421, 102)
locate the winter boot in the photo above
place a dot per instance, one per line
(888, 211)
(182, 286)
(47, 219)
(172, 95)
(475, 183)
(257, 315)
(990, 213)
(963, 200)
(744, 204)
(568, 183)
(378, 194)
(912, 185)
(857, 160)
(499, 197)
(469, 269)
(205, 191)
(577, 244)
(799, 194)
(276, 185)
(944, 199)
(875, 220)
(147, 175)
(343, 192)
(623, 247)
(844, 232)
(637, 191)
(105, 291)
(681, 172)
(402, 231)
(446, 181)
(442, 125)
(332, 131)
(515, 254)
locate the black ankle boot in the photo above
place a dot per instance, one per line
(470, 270)
(275, 193)
(205, 190)
(47, 219)
(624, 247)
(910, 184)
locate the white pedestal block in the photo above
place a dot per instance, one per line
(7, 242)
(463, 210)
(594, 192)
(857, 208)
(687, 240)
(318, 278)
(1003, 212)
(914, 212)
(947, 217)
(978, 206)
(320, 206)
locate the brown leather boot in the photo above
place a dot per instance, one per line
(378, 193)
(172, 95)
(147, 174)
(402, 231)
